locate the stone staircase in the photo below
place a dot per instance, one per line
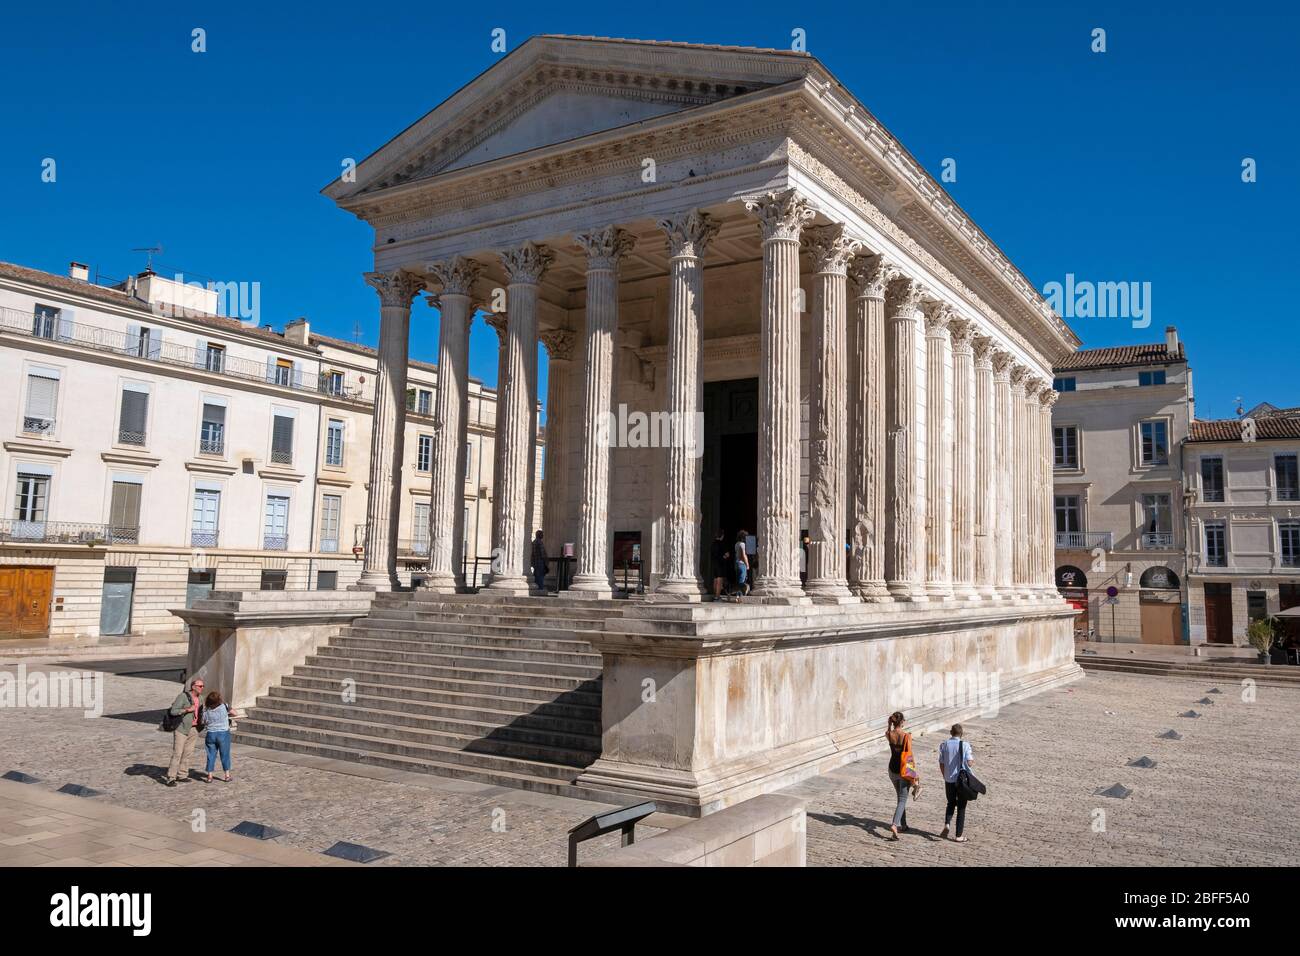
(498, 690)
(1222, 669)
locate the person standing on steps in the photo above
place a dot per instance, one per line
(741, 561)
(539, 562)
(899, 741)
(184, 715)
(718, 555)
(954, 754)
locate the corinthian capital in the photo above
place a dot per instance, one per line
(781, 215)
(1002, 363)
(1048, 397)
(830, 249)
(457, 276)
(396, 288)
(605, 247)
(501, 323)
(1019, 376)
(937, 316)
(559, 344)
(526, 264)
(984, 349)
(963, 335)
(689, 233)
(1033, 386)
(871, 274)
(903, 297)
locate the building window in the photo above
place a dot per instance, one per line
(124, 513)
(1157, 522)
(424, 453)
(420, 528)
(1068, 516)
(274, 580)
(275, 536)
(1216, 540)
(334, 442)
(1288, 533)
(469, 462)
(1065, 446)
(212, 433)
(327, 580)
(331, 520)
(42, 400)
(203, 526)
(214, 358)
(1155, 443)
(1288, 482)
(334, 382)
(45, 322)
(1064, 384)
(1212, 479)
(146, 343)
(282, 440)
(1156, 377)
(424, 402)
(134, 416)
(32, 498)
(282, 373)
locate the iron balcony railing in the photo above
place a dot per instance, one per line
(275, 542)
(64, 532)
(58, 329)
(212, 446)
(1157, 540)
(282, 457)
(203, 539)
(1084, 540)
(38, 426)
(418, 546)
(125, 437)
(329, 545)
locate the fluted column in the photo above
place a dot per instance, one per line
(865, 468)
(450, 425)
(963, 459)
(938, 454)
(688, 234)
(830, 251)
(1047, 526)
(510, 513)
(500, 323)
(1033, 485)
(559, 386)
(782, 217)
(388, 423)
(1019, 481)
(903, 570)
(604, 248)
(985, 497)
(1003, 519)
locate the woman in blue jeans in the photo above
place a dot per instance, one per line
(897, 738)
(216, 717)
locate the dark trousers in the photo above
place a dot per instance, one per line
(539, 575)
(955, 802)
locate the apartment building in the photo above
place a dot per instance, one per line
(1118, 429)
(155, 450)
(1244, 548)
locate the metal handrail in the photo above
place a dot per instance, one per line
(1084, 540)
(623, 820)
(54, 532)
(1158, 540)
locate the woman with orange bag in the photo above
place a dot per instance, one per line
(902, 769)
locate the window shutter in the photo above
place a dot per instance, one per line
(282, 436)
(42, 397)
(297, 375)
(132, 339)
(135, 410)
(66, 330)
(270, 369)
(216, 414)
(125, 510)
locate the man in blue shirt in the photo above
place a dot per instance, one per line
(954, 753)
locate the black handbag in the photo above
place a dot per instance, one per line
(170, 722)
(969, 786)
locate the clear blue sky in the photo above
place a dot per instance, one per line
(1122, 166)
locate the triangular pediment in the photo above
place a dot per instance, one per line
(555, 89)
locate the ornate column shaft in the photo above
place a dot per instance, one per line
(866, 429)
(828, 425)
(510, 513)
(1003, 519)
(604, 248)
(1033, 485)
(500, 323)
(964, 490)
(938, 454)
(688, 235)
(447, 490)
(384, 493)
(782, 217)
(559, 387)
(985, 499)
(903, 574)
(1019, 480)
(1046, 571)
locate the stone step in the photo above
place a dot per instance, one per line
(529, 759)
(1275, 674)
(495, 665)
(408, 632)
(536, 627)
(516, 778)
(336, 670)
(448, 644)
(494, 711)
(553, 604)
(458, 730)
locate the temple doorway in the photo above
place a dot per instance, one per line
(729, 486)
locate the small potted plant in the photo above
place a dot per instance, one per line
(1259, 634)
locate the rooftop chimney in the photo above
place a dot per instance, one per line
(298, 331)
(79, 271)
(1171, 339)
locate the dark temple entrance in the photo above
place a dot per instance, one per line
(729, 487)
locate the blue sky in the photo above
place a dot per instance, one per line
(1123, 166)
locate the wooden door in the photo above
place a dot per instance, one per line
(1218, 613)
(25, 602)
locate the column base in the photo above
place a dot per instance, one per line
(911, 593)
(374, 581)
(966, 592)
(678, 589)
(779, 589)
(512, 586)
(590, 586)
(441, 582)
(872, 592)
(830, 592)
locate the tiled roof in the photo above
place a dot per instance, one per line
(1266, 410)
(1230, 429)
(119, 298)
(1119, 357)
